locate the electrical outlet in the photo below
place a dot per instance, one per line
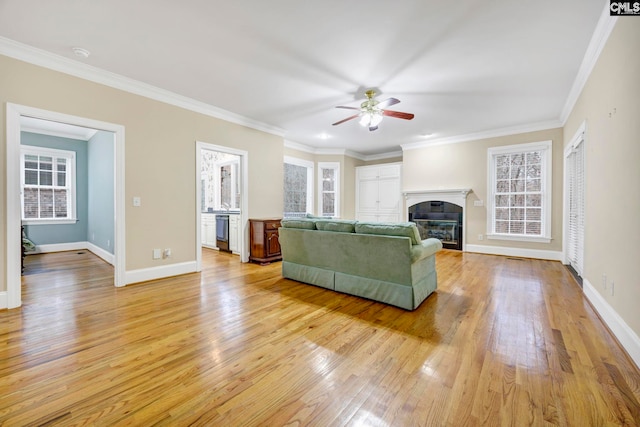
(167, 253)
(137, 202)
(480, 237)
(478, 203)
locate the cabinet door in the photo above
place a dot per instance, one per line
(234, 233)
(211, 233)
(389, 171)
(203, 230)
(389, 217)
(367, 217)
(389, 194)
(368, 195)
(272, 244)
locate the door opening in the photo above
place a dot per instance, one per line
(221, 200)
(16, 113)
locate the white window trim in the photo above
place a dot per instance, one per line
(335, 166)
(71, 176)
(310, 169)
(546, 147)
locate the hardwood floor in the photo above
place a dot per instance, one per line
(502, 342)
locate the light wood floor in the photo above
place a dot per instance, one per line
(502, 342)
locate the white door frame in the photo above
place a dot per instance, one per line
(244, 198)
(12, 251)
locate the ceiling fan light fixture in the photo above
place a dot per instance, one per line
(370, 119)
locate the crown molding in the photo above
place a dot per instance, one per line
(494, 133)
(64, 65)
(340, 152)
(600, 36)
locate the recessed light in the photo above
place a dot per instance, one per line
(82, 53)
(324, 136)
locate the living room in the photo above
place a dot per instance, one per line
(159, 149)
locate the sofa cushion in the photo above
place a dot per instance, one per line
(306, 224)
(339, 225)
(403, 229)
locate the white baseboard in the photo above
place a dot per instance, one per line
(59, 247)
(98, 251)
(4, 301)
(75, 246)
(516, 252)
(145, 274)
(625, 335)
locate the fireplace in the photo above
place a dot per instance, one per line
(439, 219)
(440, 214)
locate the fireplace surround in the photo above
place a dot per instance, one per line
(448, 222)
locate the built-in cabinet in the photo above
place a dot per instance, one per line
(379, 193)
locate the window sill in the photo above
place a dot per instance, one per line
(48, 221)
(519, 238)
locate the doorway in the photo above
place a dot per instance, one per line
(13, 207)
(574, 203)
(221, 191)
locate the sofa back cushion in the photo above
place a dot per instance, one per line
(339, 225)
(402, 229)
(304, 223)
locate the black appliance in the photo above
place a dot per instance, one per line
(222, 232)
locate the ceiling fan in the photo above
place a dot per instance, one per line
(372, 111)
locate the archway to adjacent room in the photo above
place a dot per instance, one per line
(13, 206)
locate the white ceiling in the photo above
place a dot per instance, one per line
(463, 67)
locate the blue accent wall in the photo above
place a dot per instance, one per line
(101, 202)
(45, 234)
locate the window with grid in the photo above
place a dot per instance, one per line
(329, 189)
(298, 187)
(48, 185)
(520, 192)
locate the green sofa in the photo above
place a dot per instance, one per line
(385, 262)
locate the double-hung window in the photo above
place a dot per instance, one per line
(329, 189)
(298, 187)
(519, 192)
(48, 185)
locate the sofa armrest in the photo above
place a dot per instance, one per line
(425, 249)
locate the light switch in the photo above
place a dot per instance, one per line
(136, 201)
(478, 203)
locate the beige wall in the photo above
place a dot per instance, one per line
(464, 165)
(612, 170)
(160, 146)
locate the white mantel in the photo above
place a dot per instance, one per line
(457, 196)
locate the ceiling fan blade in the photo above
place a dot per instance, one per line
(347, 119)
(348, 108)
(398, 114)
(387, 103)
